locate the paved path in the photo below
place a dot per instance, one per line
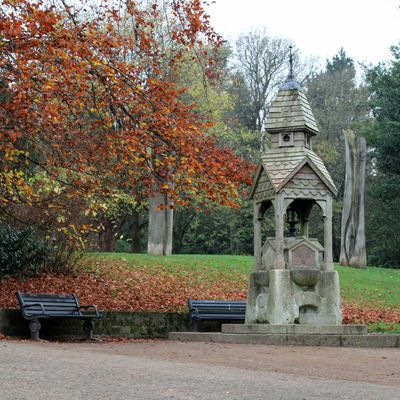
(171, 370)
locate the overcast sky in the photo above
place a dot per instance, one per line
(364, 28)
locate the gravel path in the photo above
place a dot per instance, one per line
(174, 370)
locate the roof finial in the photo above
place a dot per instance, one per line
(291, 75)
(290, 82)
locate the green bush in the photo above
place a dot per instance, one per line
(122, 246)
(22, 251)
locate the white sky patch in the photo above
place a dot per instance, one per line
(364, 28)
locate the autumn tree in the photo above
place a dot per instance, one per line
(257, 66)
(80, 109)
(239, 100)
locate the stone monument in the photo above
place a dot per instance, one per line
(293, 281)
(293, 288)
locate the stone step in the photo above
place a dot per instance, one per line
(330, 340)
(295, 329)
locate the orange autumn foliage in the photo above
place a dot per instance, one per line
(86, 101)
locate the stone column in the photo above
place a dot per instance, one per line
(280, 309)
(279, 232)
(257, 237)
(328, 235)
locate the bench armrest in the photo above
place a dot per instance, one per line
(91, 306)
(34, 305)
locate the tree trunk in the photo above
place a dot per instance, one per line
(160, 225)
(352, 249)
(107, 237)
(135, 244)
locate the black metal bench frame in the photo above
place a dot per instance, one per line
(45, 306)
(215, 310)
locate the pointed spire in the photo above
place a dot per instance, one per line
(290, 82)
(290, 110)
(291, 75)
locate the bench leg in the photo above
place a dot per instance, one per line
(88, 328)
(34, 326)
(194, 325)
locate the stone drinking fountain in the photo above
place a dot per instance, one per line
(293, 281)
(294, 292)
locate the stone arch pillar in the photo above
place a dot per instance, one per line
(279, 231)
(257, 220)
(326, 208)
(258, 215)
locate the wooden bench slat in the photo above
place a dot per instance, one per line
(49, 304)
(218, 308)
(218, 311)
(216, 301)
(48, 296)
(49, 300)
(38, 310)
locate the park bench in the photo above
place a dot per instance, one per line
(216, 310)
(44, 306)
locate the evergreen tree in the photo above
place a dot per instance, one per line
(383, 223)
(339, 62)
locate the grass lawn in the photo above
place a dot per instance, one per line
(371, 286)
(232, 267)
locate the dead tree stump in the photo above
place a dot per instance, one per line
(352, 249)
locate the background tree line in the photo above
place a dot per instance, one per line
(367, 102)
(343, 95)
(169, 110)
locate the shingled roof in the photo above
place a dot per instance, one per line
(281, 165)
(290, 111)
(290, 166)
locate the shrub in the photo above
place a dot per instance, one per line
(122, 246)
(22, 251)
(62, 256)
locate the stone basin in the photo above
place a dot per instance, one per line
(305, 276)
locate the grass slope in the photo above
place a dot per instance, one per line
(376, 287)
(230, 266)
(371, 286)
(370, 295)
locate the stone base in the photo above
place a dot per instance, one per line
(293, 329)
(329, 340)
(276, 297)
